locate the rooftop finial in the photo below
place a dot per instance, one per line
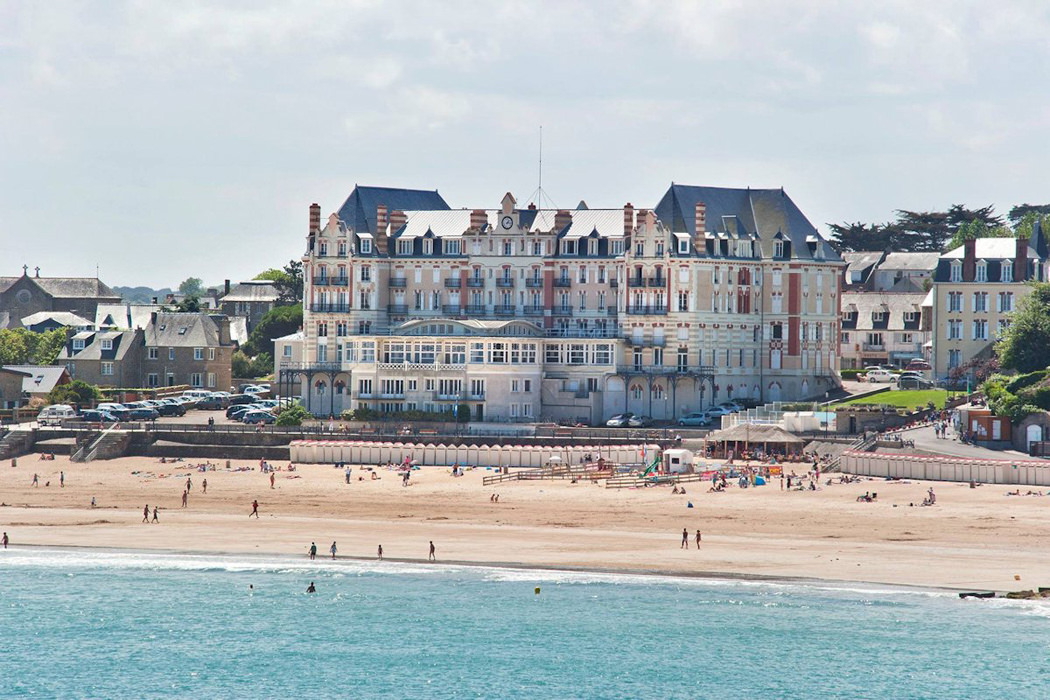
(25, 270)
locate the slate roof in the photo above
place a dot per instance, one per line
(895, 305)
(63, 318)
(66, 287)
(124, 316)
(359, 210)
(123, 341)
(182, 330)
(39, 379)
(910, 261)
(992, 249)
(743, 213)
(252, 290)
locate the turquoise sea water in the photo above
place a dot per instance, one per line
(114, 624)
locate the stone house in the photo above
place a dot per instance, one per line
(24, 296)
(251, 300)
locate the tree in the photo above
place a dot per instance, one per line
(293, 415)
(858, 236)
(245, 367)
(278, 321)
(977, 229)
(45, 347)
(76, 392)
(191, 287)
(1023, 346)
(13, 350)
(915, 230)
(1022, 211)
(288, 282)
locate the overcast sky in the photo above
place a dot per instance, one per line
(161, 140)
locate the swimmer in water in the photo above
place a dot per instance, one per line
(310, 588)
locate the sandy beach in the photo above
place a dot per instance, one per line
(972, 539)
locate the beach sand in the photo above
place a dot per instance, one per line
(976, 539)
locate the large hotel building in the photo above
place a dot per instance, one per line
(526, 314)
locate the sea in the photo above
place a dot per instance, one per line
(114, 624)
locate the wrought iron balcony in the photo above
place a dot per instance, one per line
(400, 309)
(647, 310)
(635, 282)
(562, 311)
(476, 309)
(533, 310)
(563, 282)
(451, 309)
(504, 281)
(476, 282)
(340, 281)
(614, 283)
(398, 282)
(332, 307)
(505, 310)
(657, 281)
(534, 282)
(453, 282)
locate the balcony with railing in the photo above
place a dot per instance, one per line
(635, 282)
(451, 309)
(476, 309)
(614, 283)
(874, 347)
(340, 281)
(600, 333)
(562, 281)
(533, 310)
(399, 309)
(562, 311)
(398, 282)
(610, 310)
(453, 282)
(657, 281)
(505, 282)
(505, 309)
(646, 310)
(321, 281)
(534, 282)
(330, 307)
(475, 282)
(453, 396)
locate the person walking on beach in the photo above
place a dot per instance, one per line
(698, 538)
(255, 509)
(380, 551)
(155, 514)
(36, 480)
(204, 486)
(184, 497)
(348, 475)
(685, 539)
(433, 552)
(62, 480)
(145, 514)
(5, 542)
(313, 550)
(332, 550)
(272, 478)
(189, 484)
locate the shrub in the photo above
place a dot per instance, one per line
(850, 373)
(76, 392)
(292, 415)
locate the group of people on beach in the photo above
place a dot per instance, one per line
(333, 550)
(685, 539)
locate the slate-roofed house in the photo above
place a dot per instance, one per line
(976, 288)
(124, 316)
(882, 328)
(105, 357)
(187, 348)
(250, 299)
(43, 321)
(24, 296)
(39, 380)
(905, 272)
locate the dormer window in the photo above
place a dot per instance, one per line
(1007, 274)
(778, 249)
(910, 316)
(683, 246)
(956, 274)
(592, 247)
(617, 246)
(453, 247)
(404, 247)
(428, 246)
(982, 271)
(107, 344)
(570, 248)
(878, 316)
(366, 246)
(78, 343)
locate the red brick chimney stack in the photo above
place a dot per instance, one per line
(381, 220)
(397, 220)
(969, 260)
(478, 219)
(1021, 260)
(315, 217)
(562, 219)
(700, 219)
(628, 218)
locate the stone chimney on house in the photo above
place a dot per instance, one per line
(562, 219)
(315, 217)
(648, 218)
(700, 220)
(222, 323)
(153, 318)
(628, 218)
(226, 286)
(969, 260)
(381, 224)
(398, 219)
(478, 219)
(1021, 260)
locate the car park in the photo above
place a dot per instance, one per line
(238, 399)
(731, 406)
(639, 421)
(237, 412)
(697, 418)
(258, 416)
(717, 412)
(619, 421)
(914, 382)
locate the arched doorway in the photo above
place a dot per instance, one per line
(774, 392)
(1033, 433)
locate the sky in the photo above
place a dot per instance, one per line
(159, 141)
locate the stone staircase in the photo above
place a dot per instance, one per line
(16, 443)
(109, 445)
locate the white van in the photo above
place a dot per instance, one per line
(54, 415)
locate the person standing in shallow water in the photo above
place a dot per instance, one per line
(332, 550)
(380, 552)
(313, 550)
(5, 542)
(310, 588)
(433, 552)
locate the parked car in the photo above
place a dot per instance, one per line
(236, 412)
(619, 420)
(914, 382)
(115, 410)
(169, 407)
(238, 399)
(717, 412)
(698, 418)
(256, 389)
(143, 413)
(918, 365)
(97, 416)
(639, 421)
(54, 415)
(731, 406)
(258, 416)
(879, 375)
(211, 403)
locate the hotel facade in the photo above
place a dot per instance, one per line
(526, 314)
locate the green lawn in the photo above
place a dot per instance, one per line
(911, 399)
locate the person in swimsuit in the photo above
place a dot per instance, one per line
(310, 588)
(380, 552)
(255, 509)
(685, 539)
(332, 550)
(145, 514)
(698, 538)
(155, 514)
(433, 552)
(313, 550)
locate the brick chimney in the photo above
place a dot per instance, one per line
(562, 219)
(397, 220)
(646, 219)
(478, 219)
(226, 285)
(700, 219)
(628, 218)
(315, 217)
(381, 220)
(1021, 260)
(222, 323)
(969, 260)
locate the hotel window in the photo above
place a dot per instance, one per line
(777, 278)
(954, 358)
(368, 351)
(477, 353)
(528, 353)
(980, 329)
(592, 247)
(452, 247)
(477, 388)
(151, 353)
(287, 350)
(639, 249)
(576, 354)
(107, 344)
(364, 387)
(845, 337)
(954, 329)
(366, 246)
(404, 247)
(980, 301)
(198, 354)
(322, 328)
(617, 246)
(955, 301)
(508, 247)
(583, 301)
(583, 274)
(602, 355)
(683, 301)
(683, 246)
(1006, 301)
(956, 273)
(171, 354)
(428, 246)
(196, 380)
(552, 354)
(366, 273)
(569, 248)
(1007, 272)
(107, 369)
(365, 299)
(716, 275)
(659, 248)
(982, 271)
(778, 249)
(211, 380)
(322, 249)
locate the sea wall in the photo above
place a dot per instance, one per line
(945, 468)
